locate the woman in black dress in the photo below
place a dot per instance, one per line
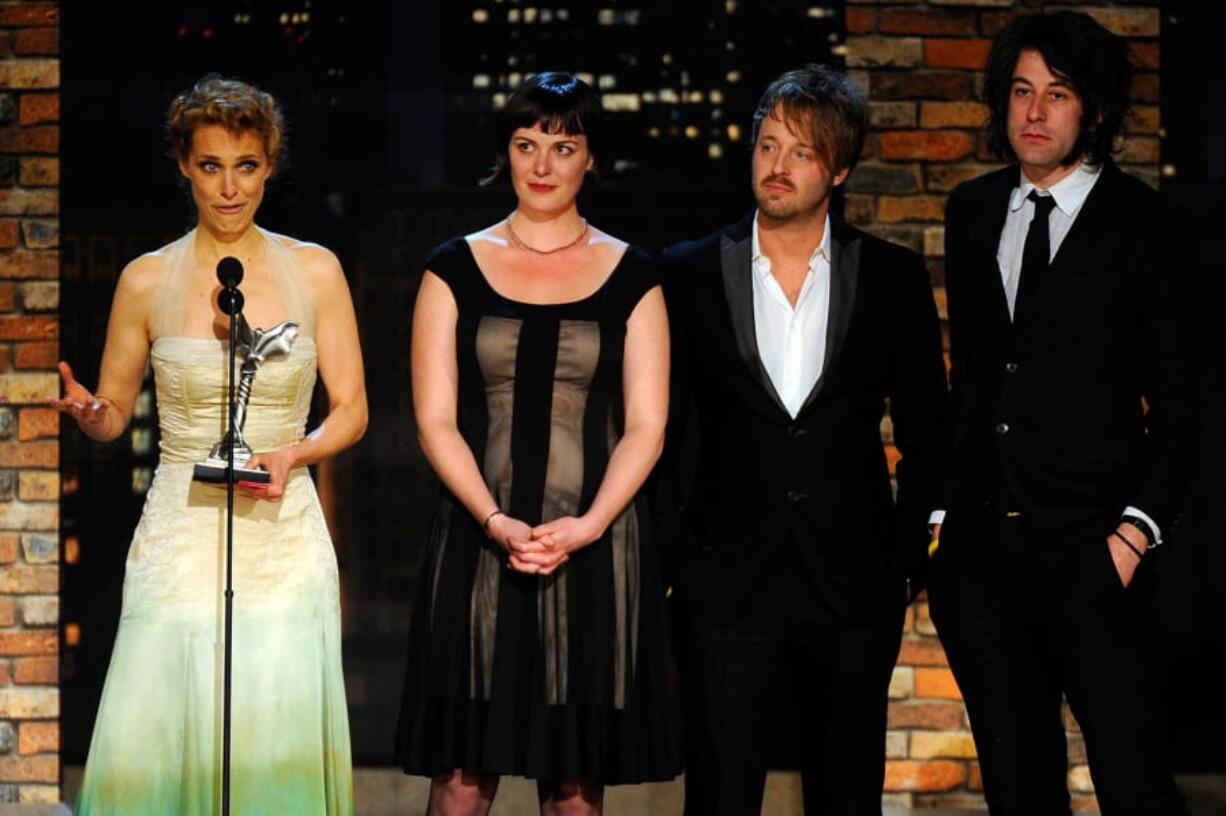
(540, 385)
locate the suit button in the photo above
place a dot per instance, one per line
(1002, 428)
(1011, 368)
(795, 432)
(795, 496)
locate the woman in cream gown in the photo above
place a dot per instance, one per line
(156, 746)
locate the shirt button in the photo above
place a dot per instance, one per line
(1002, 428)
(1011, 368)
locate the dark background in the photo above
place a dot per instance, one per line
(390, 108)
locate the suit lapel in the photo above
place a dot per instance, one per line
(844, 276)
(736, 263)
(984, 243)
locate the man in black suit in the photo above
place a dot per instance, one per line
(1072, 316)
(791, 332)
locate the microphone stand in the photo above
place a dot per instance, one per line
(230, 300)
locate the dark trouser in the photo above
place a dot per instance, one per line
(839, 673)
(1024, 623)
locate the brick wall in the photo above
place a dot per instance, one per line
(29, 447)
(920, 64)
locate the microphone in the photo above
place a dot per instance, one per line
(230, 272)
(230, 275)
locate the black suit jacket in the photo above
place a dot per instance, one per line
(1047, 410)
(820, 480)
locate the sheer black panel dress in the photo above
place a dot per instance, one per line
(541, 676)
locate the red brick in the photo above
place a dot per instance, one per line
(6, 46)
(9, 232)
(39, 108)
(974, 777)
(936, 684)
(37, 41)
(44, 768)
(933, 145)
(860, 21)
(922, 652)
(8, 616)
(44, 454)
(4, 358)
(39, 172)
(920, 85)
(1145, 88)
(29, 643)
(929, 716)
(38, 423)
(41, 355)
(30, 140)
(927, 22)
(29, 328)
(39, 738)
(8, 297)
(36, 671)
(29, 265)
(896, 209)
(953, 115)
(970, 54)
(991, 22)
(10, 546)
(4, 674)
(909, 775)
(1146, 55)
(1144, 119)
(15, 15)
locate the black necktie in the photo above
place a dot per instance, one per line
(1036, 255)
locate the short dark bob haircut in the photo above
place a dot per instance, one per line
(1081, 52)
(826, 107)
(559, 103)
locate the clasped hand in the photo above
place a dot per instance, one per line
(542, 549)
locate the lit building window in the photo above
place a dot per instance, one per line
(730, 6)
(563, 14)
(667, 59)
(608, 81)
(730, 46)
(283, 19)
(605, 16)
(620, 102)
(306, 17)
(499, 100)
(530, 14)
(734, 76)
(584, 76)
(513, 15)
(480, 16)
(649, 97)
(734, 133)
(717, 96)
(481, 80)
(513, 79)
(817, 12)
(669, 97)
(546, 15)
(691, 132)
(715, 150)
(512, 60)
(653, 132)
(694, 97)
(624, 165)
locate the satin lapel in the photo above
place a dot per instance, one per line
(844, 275)
(736, 264)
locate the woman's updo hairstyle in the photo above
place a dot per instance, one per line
(233, 104)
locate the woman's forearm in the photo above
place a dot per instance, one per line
(629, 466)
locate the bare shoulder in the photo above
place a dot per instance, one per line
(495, 235)
(319, 265)
(143, 274)
(606, 246)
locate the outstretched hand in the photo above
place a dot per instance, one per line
(91, 413)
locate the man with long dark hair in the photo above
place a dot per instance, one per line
(791, 331)
(1074, 405)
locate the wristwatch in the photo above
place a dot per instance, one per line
(1142, 525)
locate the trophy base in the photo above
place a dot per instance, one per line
(212, 471)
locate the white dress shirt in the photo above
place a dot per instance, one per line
(792, 340)
(1070, 193)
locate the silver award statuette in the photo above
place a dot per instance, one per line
(255, 347)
